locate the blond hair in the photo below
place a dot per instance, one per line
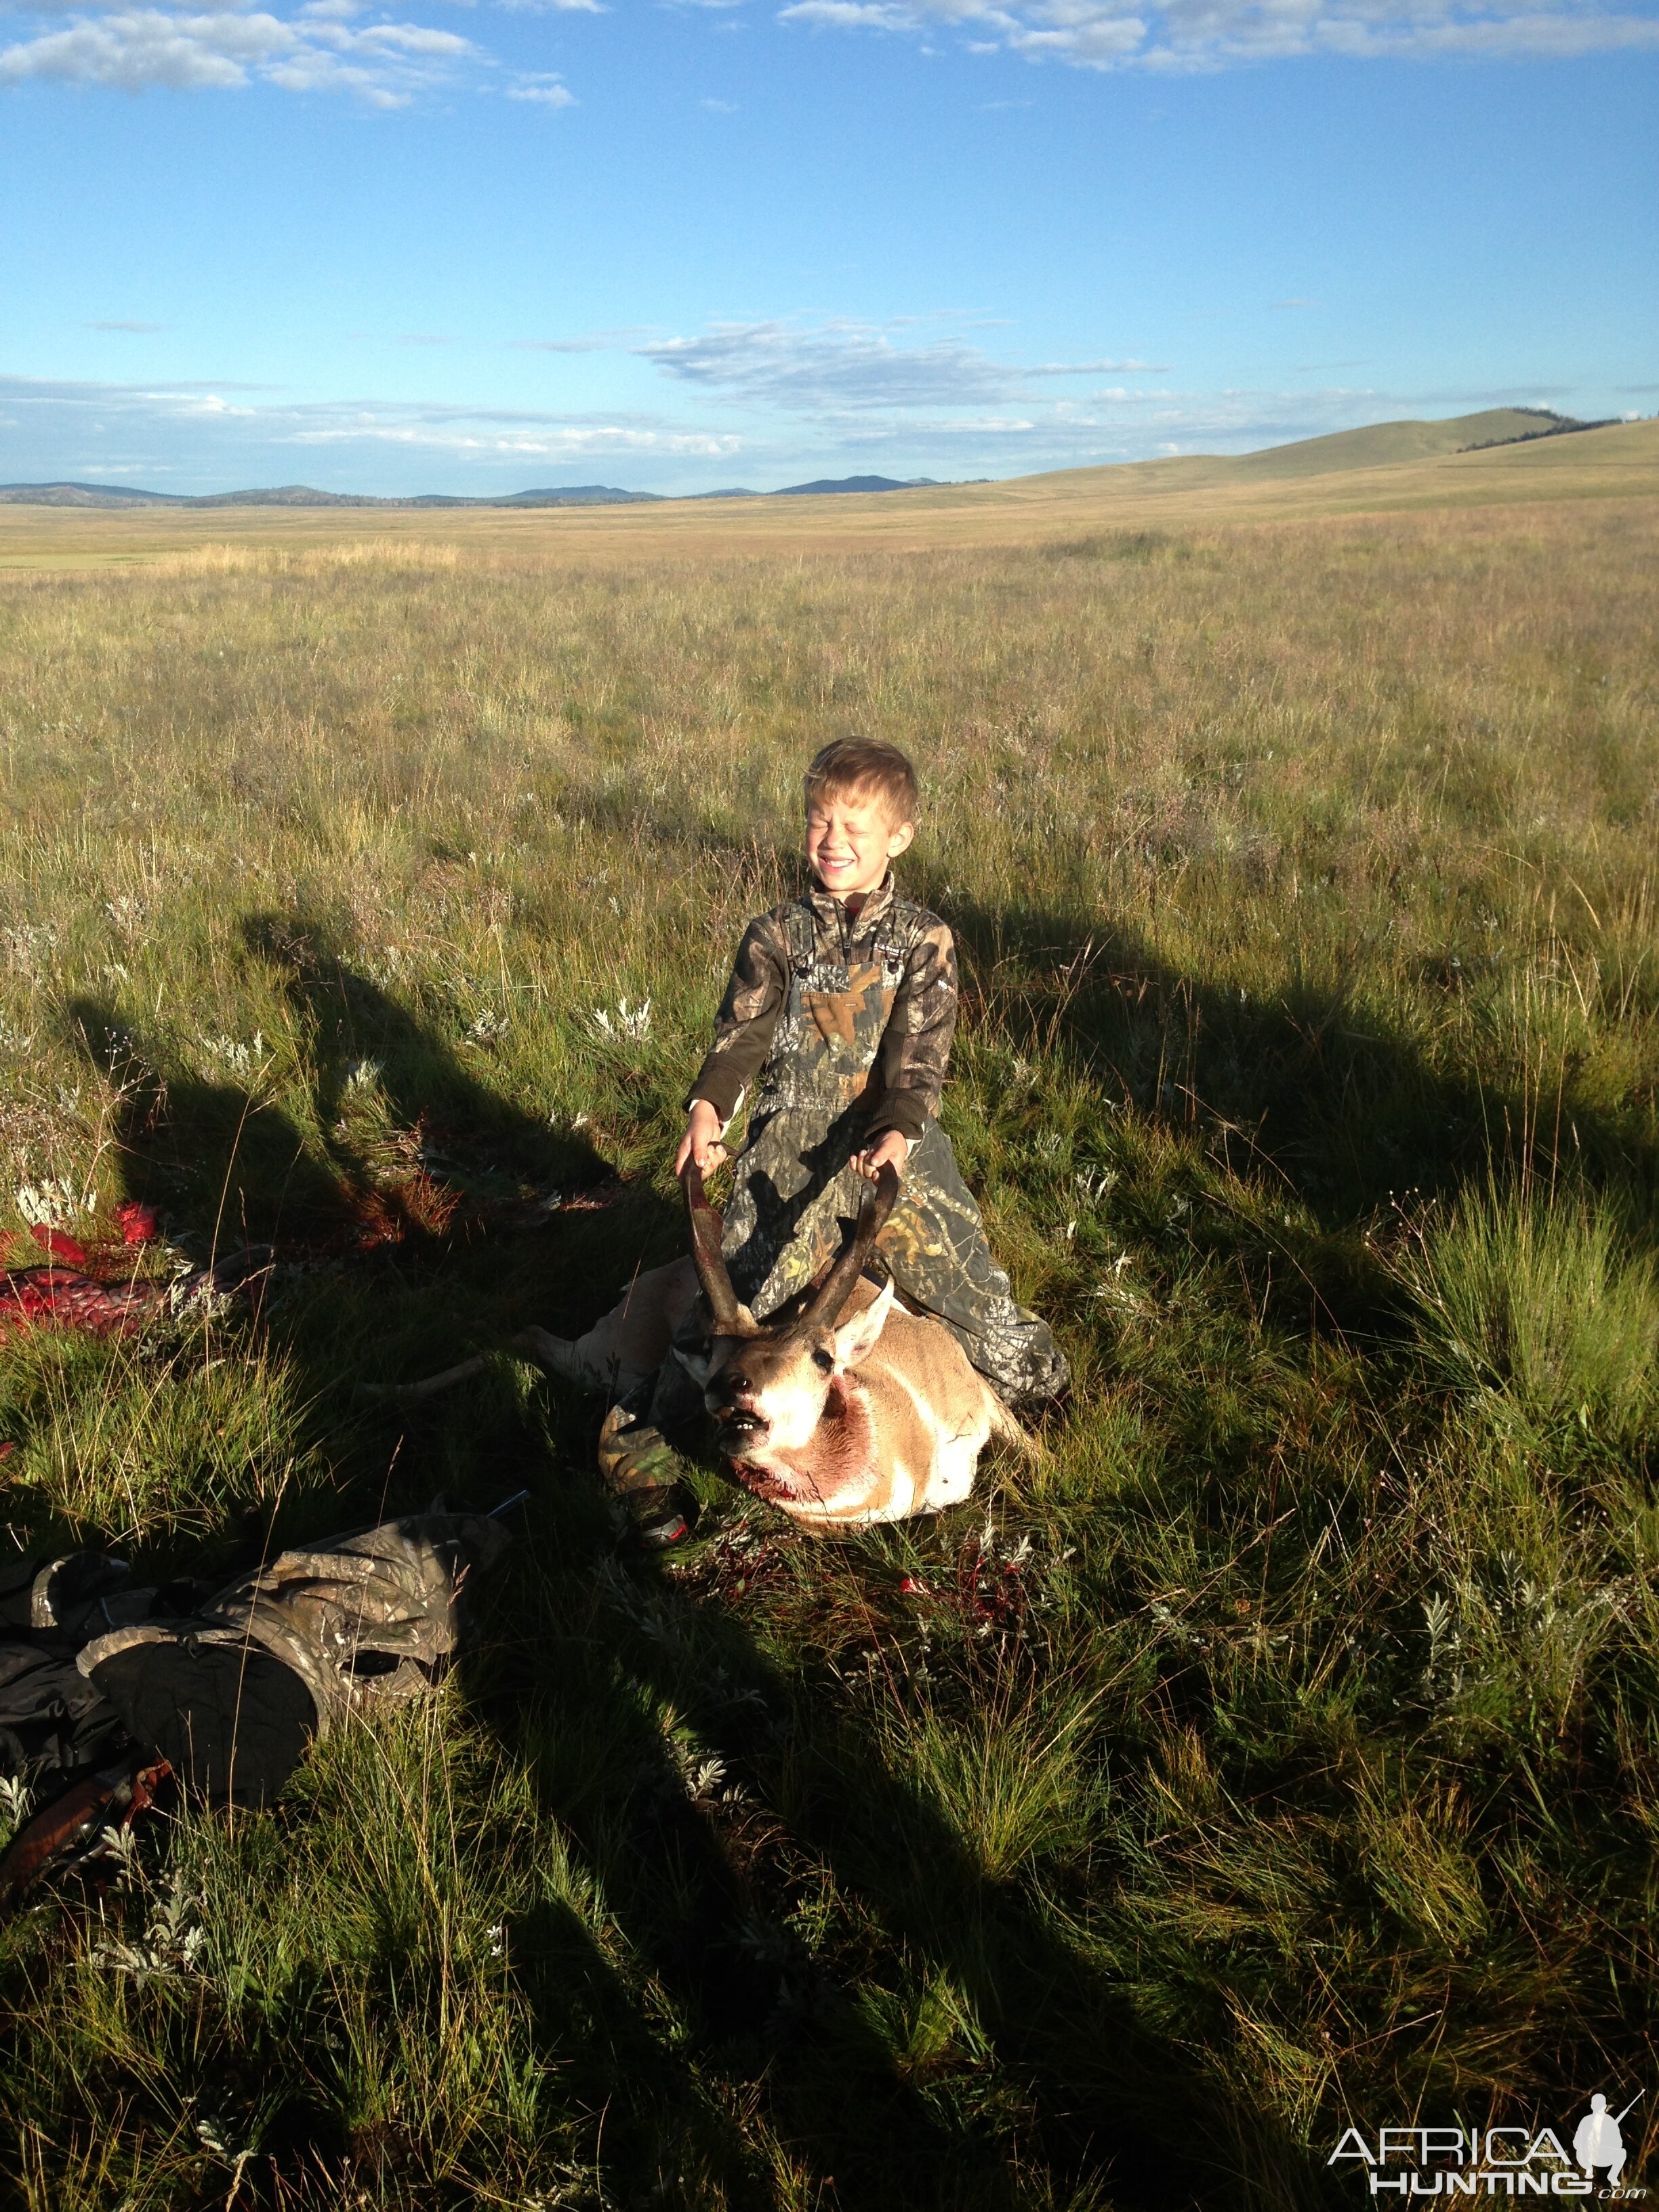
(851, 764)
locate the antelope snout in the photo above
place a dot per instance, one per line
(733, 1403)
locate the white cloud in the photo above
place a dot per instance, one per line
(539, 85)
(54, 412)
(326, 46)
(1187, 35)
(134, 49)
(569, 441)
(1098, 368)
(145, 48)
(199, 437)
(68, 391)
(850, 15)
(847, 366)
(948, 407)
(841, 365)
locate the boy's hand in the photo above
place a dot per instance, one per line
(702, 1140)
(892, 1150)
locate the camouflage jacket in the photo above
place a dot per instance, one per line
(904, 951)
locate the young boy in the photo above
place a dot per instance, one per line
(837, 1024)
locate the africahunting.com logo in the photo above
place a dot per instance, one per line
(1509, 2161)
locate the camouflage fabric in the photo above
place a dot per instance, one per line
(857, 1009)
(232, 1693)
(826, 1002)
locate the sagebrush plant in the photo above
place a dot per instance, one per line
(1278, 1751)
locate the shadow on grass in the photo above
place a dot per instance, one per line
(1312, 1085)
(1071, 2097)
(1089, 2091)
(1072, 2089)
(1334, 1136)
(402, 1241)
(1078, 2090)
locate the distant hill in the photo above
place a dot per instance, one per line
(1382, 444)
(279, 495)
(76, 495)
(1340, 452)
(1548, 424)
(554, 495)
(856, 483)
(123, 496)
(1378, 446)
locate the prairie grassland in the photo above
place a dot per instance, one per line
(1280, 1753)
(1353, 472)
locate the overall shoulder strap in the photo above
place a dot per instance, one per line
(905, 922)
(802, 933)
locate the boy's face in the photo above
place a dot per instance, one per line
(850, 839)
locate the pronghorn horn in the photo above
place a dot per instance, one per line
(706, 1251)
(878, 1203)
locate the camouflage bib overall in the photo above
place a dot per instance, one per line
(794, 1188)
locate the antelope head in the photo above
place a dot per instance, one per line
(769, 1384)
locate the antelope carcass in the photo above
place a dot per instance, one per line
(842, 1409)
(848, 1410)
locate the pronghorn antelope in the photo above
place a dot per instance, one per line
(842, 1409)
(848, 1409)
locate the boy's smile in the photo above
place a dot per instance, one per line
(850, 840)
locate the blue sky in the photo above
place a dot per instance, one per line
(429, 247)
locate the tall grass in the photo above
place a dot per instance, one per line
(1280, 1752)
(1539, 1305)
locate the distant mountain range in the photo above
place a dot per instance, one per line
(1377, 444)
(121, 496)
(79, 495)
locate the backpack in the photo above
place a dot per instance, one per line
(54, 1724)
(232, 1694)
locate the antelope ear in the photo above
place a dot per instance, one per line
(856, 1338)
(694, 1364)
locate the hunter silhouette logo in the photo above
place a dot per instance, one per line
(1597, 2140)
(1506, 2161)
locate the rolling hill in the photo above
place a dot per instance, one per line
(1383, 445)
(1498, 457)
(1380, 446)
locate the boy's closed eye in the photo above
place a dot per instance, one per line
(851, 838)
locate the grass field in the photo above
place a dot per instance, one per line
(1281, 1754)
